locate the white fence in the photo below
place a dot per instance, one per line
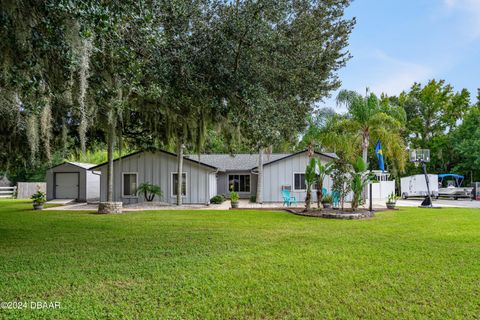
(382, 189)
(8, 192)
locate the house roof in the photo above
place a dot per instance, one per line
(325, 154)
(162, 151)
(77, 164)
(228, 162)
(237, 162)
(247, 161)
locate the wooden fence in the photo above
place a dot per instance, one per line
(8, 192)
(26, 189)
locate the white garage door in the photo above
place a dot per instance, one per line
(66, 185)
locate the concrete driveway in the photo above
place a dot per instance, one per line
(463, 203)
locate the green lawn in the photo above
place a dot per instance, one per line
(412, 263)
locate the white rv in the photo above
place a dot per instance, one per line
(416, 186)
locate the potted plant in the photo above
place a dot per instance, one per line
(234, 199)
(150, 191)
(392, 201)
(39, 198)
(327, 201)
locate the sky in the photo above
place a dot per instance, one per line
(398, 42)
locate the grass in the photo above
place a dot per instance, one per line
(412, 263)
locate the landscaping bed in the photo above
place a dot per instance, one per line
(335, 213)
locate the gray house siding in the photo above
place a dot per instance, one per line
(157, 168)
(224, 188)
(93, 185)
(88, 183)
(281, 173)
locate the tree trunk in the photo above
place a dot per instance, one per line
(319, 191)
(111, 145)
(365, 144)
(260, 177)
(180, 148)
(308, 198)
(342, 197)
(355, 201)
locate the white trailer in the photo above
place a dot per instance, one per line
(416, 186)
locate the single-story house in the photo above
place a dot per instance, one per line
(207, 175)
(73, 180)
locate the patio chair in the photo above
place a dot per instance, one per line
(324, 191)
(288, 200)
(335, 199)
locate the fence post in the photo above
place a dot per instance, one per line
(370, 207)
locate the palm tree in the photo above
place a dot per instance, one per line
(331, 134)
(368, 117)
(360, 178)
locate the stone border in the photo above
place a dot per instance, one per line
(335, 215)
(109, 207)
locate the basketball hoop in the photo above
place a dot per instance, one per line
(418, 156)
(422, 156)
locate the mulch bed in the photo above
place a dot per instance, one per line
(336, 213)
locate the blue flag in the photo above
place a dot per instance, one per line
(379, 152)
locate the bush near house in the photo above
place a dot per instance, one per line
(218, 199)
(149, 191)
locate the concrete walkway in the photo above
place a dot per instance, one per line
(61, 202)
(243, 204)
(447, 203)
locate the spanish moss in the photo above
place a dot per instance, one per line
(32, 135)
(46, 129)
(85, 54)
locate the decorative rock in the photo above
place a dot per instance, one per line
(110, 207)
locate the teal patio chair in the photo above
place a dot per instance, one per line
(335, 199)
(324, 191)
(288, 200)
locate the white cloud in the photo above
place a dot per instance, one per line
(470, 14)
(463, 4)
(394, 75)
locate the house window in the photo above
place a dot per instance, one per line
(299, 182)
(129, 184)
(175, 184)
(239, 182)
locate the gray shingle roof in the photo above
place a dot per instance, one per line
(243, 161)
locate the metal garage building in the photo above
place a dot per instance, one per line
(73, 180)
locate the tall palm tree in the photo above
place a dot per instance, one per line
(367, 117)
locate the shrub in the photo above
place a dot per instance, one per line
(327, 198)
(39, 197)
(253, 199)
(150, 191)
(218, 199)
